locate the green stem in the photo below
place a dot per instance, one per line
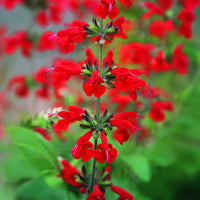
(100, 71)
(93, 169)
(92, 180)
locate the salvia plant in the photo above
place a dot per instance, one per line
(116, 103)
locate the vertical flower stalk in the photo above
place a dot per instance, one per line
(92, 183)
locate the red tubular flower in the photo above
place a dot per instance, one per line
(185, 29)
(74, 114)
(68, 66)
(159, 64)
(18, 40)
(121, 135)
(101, 155)
(123, 124)
(83, 148)
(61, 125)
(124, 27)
(92, 86)
(152, 9)
(19, 85)
(42, 132)
(75, 32)
(69, 173)
(123, 194)
(96, 194)
(159, 28)
(107, 9)
(179, 60)
(127, 81)
(157, 110)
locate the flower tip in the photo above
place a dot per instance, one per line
(51, 37)
(52, 114)
(50, 69)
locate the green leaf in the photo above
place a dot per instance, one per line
(34, 146)
(140, 166)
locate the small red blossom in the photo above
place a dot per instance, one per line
(107, 8)
(74, 114)
(159, 64)
(179, 60)
(123, 194)
(69, 173)
(83, 148)
(96, 194)
(42, 132)
(92, 86)
(102, 155)
(18, 40)
(159, 28)
(19, 85)
(126, 80)
(157, 110)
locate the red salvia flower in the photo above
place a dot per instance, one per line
(19, 85)
(101, 155)
(69, 173)
(96, 194)
(92, 86)
(74, 114)
(75, 33)
(159, 64)
(42, 132)
(179, 60)
(159, 28)
(123, 194)
(157, 110)
(107, 8)
(83, 148)
(126, 80)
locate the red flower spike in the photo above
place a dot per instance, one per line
(107, 9)
(123, 194)
(92, 86)
(96, 194)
